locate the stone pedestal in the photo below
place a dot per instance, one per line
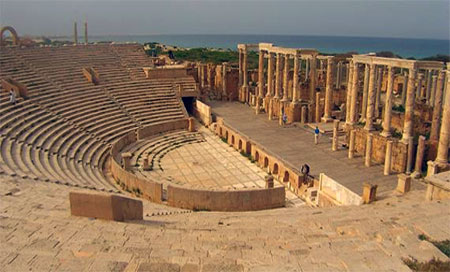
(369, 193)
(403, 183)
(191, 125)
(388, 158)
(126, 160)
(368, 157)
(146, 165)
(351, 145)
(269, 181)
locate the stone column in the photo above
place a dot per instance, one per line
(241, 79)
(367, 159)
(317, 115)
(303, 115)
(244, 69)
(354, 94)
(261, 75)
(388, 104)
(338, 74)
(270, 76)
(431, 99)
(442, 153)
(295, 90)
(86, 33)
(349, 96)
(75, 33)
(410, 156)
(388, 158)
(278, 77)
(335, 143)
(365, 93)
(405, 88)
(429, 86)
(351, 145)
(437, 107)
(224, 80)
(312, 79)
(328, 90)
(286, 78)
(378, 95)
(419, 86)
(370, 99)
(409, 108)
(419, 157)
(306, 68)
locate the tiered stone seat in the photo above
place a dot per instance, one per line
(133, 58)
(148, 101)
(64, 130)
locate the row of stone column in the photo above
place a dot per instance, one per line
(278, 68)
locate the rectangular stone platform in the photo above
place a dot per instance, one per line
(295, 144)
(105, 206)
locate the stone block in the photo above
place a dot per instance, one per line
(369, 193)
(404, 183)
(105, 206)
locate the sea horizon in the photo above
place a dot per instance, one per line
(404, 47)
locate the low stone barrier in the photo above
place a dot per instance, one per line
(105, 206)
(334, 194)
(226, 200)
(149, 189)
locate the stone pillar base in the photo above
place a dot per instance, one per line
(369, 193)
(293, 112)
(326, 119)
(404, 183)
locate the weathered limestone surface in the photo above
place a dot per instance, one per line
(36, 228)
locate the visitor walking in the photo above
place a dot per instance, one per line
(284, 118)
(12, 97)
(316, 135)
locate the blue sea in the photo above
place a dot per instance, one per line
(417, 48)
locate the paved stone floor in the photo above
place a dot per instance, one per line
(213, 164)
(295, 144)
(37, 233)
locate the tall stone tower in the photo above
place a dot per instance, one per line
(75, 33)
(85, 33)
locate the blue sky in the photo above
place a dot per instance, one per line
(366, 18)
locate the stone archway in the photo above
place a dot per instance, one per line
(275, 169)
(13, 32)
(266, 162)
(240, 145)
(286, 176)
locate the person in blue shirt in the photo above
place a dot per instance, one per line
(316, 135)
(284, 118)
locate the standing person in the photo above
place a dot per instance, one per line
(316, 135)
(12, 97)
(284, 118)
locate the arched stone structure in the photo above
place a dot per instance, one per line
(286, 176)
(13, 32)
(257, 156)
(266, 162)
(275, 169)
(240, 145)
(232, 139)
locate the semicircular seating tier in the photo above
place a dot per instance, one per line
(64, 130)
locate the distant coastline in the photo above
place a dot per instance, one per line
(406, 48)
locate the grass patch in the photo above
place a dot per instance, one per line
(443, 246)
(431, 265)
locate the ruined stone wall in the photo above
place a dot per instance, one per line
(399, 149)
(226, 200)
